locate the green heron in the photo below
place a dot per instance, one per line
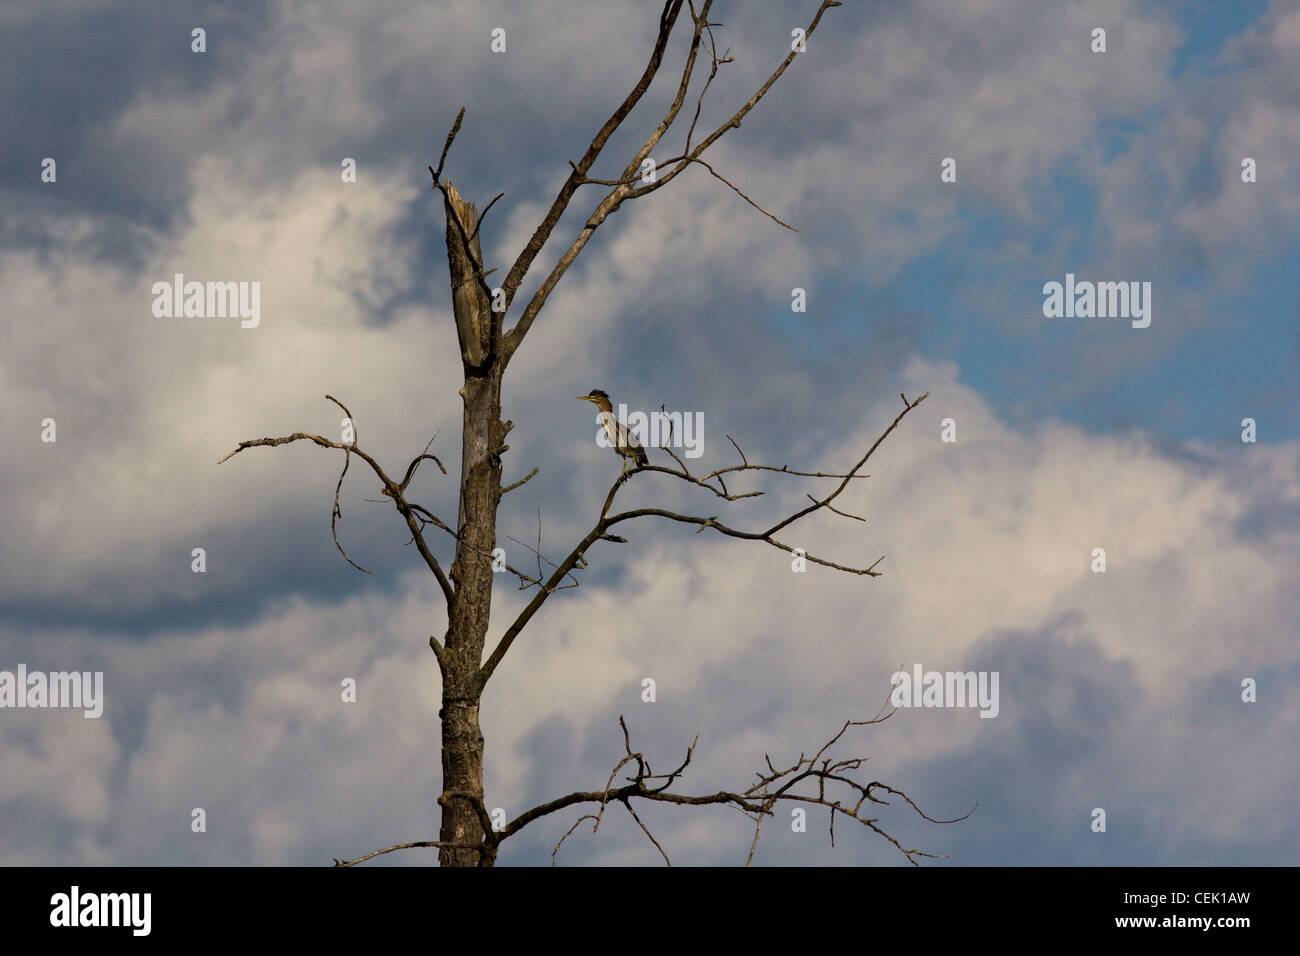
(625, 442)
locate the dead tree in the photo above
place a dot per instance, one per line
(487, 347)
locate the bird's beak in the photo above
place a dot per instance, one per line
(583, 398)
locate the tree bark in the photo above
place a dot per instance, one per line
(482, 443)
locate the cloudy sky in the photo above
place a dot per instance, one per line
(1120, 691)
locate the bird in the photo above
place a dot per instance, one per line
(625, 442)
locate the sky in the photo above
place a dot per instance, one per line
(941, 164)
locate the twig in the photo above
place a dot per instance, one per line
(404, 846)
(521, 481)
(479, 225)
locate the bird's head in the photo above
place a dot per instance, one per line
(597, 398)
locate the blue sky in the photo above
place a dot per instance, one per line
(1120, 690)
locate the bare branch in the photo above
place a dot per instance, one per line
(451, 136)
(574, 557)
(439, 652)
(758, 825)
(736, 189)
(404, 846)
(428, 517)
(717, 61)
(735, 121)
(907, 407)
(540, 558)
(586, 816)
(424, 516)
(667, 19)
(828, 507)
(479, 225)
(646, 831)
(284, 440)
(670, 116)
(817, 780)
(337, 513)
(521, 481)
(716, 525)
(622, 187)
(389, 489)
(415, 463)
(606, 521)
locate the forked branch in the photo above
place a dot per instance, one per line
(389, 488)
(819, 780)
(623, 188)
(607, 520)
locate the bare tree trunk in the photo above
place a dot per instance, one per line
(482, 441)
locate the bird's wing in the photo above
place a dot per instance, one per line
(627, 439)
